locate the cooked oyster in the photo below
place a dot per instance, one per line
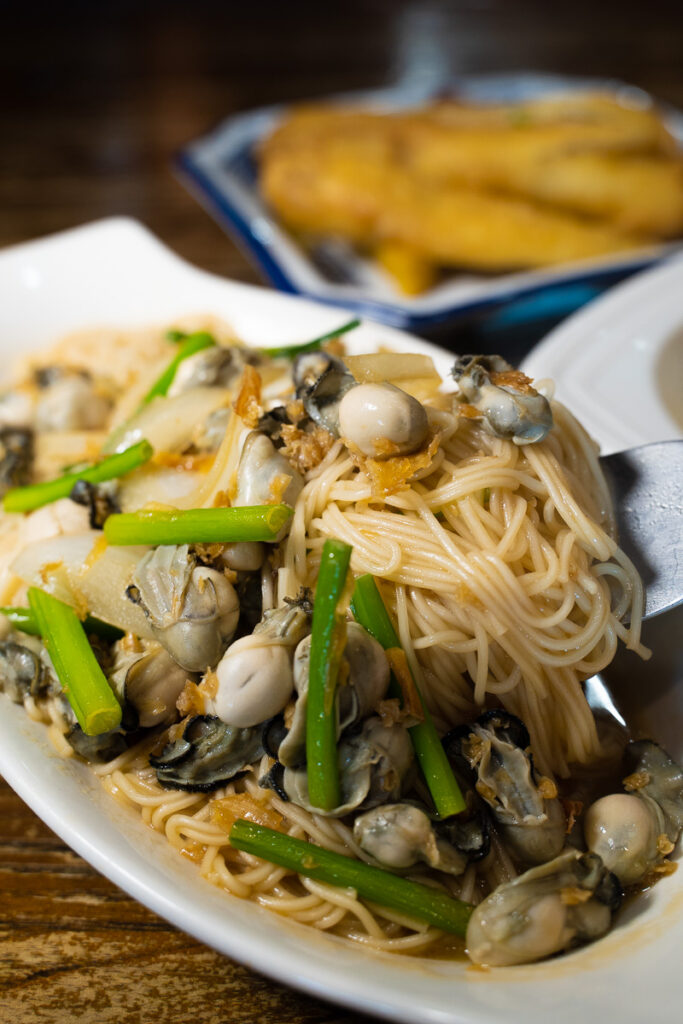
(272, 422)
(70, 400)
(100, 500)
(244, 555)
(254, 677)
(264, 476)
(510, 407)
(274, 779)
(568, 901)
(470, 831)
(192, 610)
(16, 457)
(656, 775)
(22, 673)
(217, 366)
(382, 420)
(402, 835)
(26, 672)
(321, 381)
(493, 751)
(373, 765)
(150, 681)
(365, 680)
(207, 755)
(632, 832)
(97, 749)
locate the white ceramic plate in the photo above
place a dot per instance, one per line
(618, 363)
(116, 273)
(220, 170)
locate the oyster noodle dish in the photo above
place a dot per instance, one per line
(323, 620)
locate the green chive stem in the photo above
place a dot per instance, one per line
(25, 621)
(369, 610)
(187, 347)
(291, 351)
(83, 681)
(25, 499)
(371, 883)
(198, 525)
(326, 650)
(175, 335)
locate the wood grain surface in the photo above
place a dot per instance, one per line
(74, 947)
(94, 100)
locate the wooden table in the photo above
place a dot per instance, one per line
(94, 100)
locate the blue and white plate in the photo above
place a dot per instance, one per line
(220, 170)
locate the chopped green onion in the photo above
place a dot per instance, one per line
(25, 621)
(291, 351)
(188, 345)
(369, 610)
(371, 883)
(83, 681)
(173, 334)
(326, 651)
(198, 525)
(24, 499)
(186, 348)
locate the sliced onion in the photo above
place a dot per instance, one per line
(160, 485)
(224, 470)
(76, 571)
(377, 367)
(169, 423)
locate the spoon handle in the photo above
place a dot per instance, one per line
(646, 484)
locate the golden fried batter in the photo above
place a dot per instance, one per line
(488, 188)
(447, 225)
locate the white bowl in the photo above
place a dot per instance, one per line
(116, 273)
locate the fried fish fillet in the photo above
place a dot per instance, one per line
(370, 203)
(485, 187)
(562, 123)
(637, 193)
(589, 120)
(602, 161)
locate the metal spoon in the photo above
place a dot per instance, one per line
(646, 484)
